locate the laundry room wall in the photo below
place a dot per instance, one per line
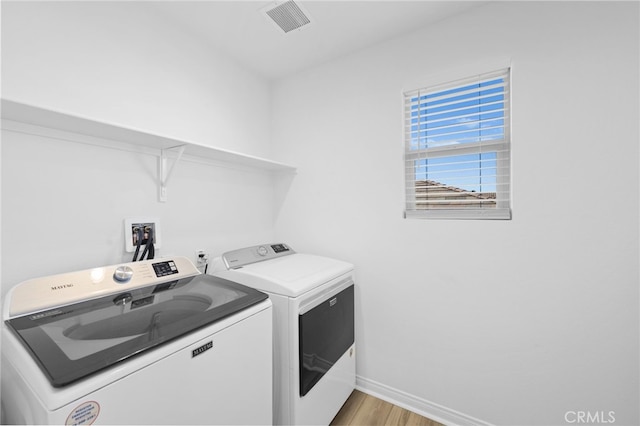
(126, 63)
(64, 203)
(507, 322)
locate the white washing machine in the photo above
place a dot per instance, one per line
(314, 337)
(150, 342)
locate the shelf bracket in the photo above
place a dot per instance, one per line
(165, 173)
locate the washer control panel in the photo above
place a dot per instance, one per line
(59, 290)
(238, 258)
(163, 269)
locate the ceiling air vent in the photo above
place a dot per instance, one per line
(288, 16)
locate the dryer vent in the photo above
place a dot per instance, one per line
(288, 16)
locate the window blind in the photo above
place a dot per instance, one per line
(457, 149)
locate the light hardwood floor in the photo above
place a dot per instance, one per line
(365, 410)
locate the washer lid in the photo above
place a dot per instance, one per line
(74, 341)
(290, 275)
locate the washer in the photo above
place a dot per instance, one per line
(314, 345)
(150, 342)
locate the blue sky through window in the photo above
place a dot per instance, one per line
(462, 115)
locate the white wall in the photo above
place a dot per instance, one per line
(64, 203)
(122, 62)
(508, 322)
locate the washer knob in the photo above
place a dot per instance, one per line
(122, 274)
(262, 251)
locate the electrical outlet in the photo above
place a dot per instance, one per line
(202, 260)
(136, 228)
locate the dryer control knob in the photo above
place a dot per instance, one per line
(122, 274)
(262, 251)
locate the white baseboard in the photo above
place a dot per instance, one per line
(420, 406)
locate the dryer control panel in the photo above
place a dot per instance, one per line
(238, 258)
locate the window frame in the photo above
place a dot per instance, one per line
(502, 148)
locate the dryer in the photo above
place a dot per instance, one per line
(314, 334)
(150, 342)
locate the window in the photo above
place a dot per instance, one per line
(457, 149)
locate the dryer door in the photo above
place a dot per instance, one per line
(326, 332)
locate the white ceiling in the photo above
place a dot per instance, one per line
(242, 30)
